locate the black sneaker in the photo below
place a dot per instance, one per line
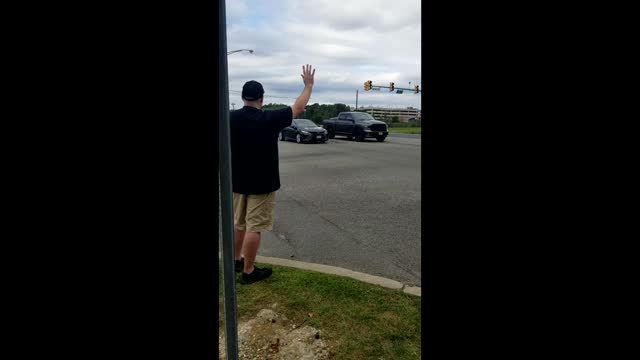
(239, 265)
(256, 275)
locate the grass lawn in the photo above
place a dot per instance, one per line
(406, 130)
(357, 320)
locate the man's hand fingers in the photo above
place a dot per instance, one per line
(306, 72)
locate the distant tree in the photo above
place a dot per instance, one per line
(341, 108)
(395, 118)
(311, 112)
(271, 106)
(317, 119)
(314, 112)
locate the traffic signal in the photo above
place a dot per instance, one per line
(367, 85)
(391, 88)
(416, 89)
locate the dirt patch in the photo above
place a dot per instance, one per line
(271, 336)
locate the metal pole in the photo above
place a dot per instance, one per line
(356, 100)
(228, 275)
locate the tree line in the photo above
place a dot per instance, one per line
(315, 112)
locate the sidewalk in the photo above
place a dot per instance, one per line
(334, 270)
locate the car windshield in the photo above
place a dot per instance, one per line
(304, 123)
(361, 116)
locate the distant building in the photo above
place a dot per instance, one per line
(403, 114)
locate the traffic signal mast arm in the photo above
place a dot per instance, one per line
(369, 86)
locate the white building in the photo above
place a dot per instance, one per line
(403, 114)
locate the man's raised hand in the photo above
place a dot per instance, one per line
(307, 75)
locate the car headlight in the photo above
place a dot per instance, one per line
(304, 132)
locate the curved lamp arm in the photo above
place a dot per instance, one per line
(235, 51)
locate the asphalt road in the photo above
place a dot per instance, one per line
(409, 136)
(352, 205)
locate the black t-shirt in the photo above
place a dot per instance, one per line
(254, 148)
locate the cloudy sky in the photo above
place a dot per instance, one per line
(347, 41)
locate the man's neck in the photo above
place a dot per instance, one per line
(254, 105)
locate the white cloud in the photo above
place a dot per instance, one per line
(348, 42)
(236, 9)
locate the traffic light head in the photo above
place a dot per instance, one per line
(366, 86)
(391, 87)
(417, 89)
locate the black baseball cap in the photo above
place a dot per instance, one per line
(252, 90)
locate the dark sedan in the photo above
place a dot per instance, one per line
(303, 130)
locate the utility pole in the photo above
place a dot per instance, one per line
(356, 100)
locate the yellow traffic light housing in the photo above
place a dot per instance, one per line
(391, 87)
(367, 85)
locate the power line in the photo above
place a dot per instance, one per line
(269, 96)
(334, 100)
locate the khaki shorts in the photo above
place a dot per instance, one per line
(253, 213)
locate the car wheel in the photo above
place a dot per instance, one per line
(331, 134)
(281, 136)
(298, 139)
(380, 138)
(359, 136)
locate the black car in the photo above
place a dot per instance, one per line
(303, 130)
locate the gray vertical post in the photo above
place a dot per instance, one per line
(356, 100)
(228, 275)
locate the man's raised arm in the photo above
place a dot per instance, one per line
(303, 99)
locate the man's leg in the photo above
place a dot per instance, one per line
(239, 214)
(238, 237)
(251, 245)
(259, 218)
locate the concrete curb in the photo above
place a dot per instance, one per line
(334, 270)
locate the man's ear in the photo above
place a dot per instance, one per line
(261, 99)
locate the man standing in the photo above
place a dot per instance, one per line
(255, 170)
